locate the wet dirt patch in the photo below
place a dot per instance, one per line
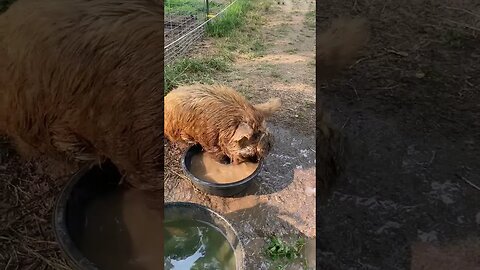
(280, 203)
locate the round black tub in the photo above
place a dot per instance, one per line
(193, 211)
(224, 190)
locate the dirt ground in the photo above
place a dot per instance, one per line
(282, 202)
(409, 108)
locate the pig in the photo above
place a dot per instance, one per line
(223, 122)
(82, 81)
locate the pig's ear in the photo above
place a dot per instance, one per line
(242, 133)
(270, 107)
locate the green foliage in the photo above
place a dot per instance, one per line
(247, 39)
(189, 7)
(194, 70)
(279, 249)
(229, 20)
(234, 32)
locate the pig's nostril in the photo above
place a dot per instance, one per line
(225, 160)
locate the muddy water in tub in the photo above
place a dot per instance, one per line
(122, 233)
(206, 168)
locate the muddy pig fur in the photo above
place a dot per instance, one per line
(338, 47)
(222, 121)
(81, 81)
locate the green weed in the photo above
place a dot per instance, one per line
(277, 249)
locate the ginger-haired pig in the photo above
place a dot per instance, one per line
(221, 120)
(82, 81)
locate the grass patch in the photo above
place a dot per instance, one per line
(257, 47)
(235, 32)
(283, 253)
(184, 6)
(247, 39)
(270, 69)
(266, 67)
(231, 19)
(275, 74)
(194, 70)
(190, 7)
(292, 51)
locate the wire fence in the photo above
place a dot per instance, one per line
(185, 24)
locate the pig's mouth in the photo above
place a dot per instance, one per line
(251, 159)
(254, 159)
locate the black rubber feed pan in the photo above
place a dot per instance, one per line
(224, 190)
(69, 214)
(94, 182)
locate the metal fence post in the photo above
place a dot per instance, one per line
(207, 8)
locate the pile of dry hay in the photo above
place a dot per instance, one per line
(26, 204)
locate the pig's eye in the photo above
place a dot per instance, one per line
(255, 136)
